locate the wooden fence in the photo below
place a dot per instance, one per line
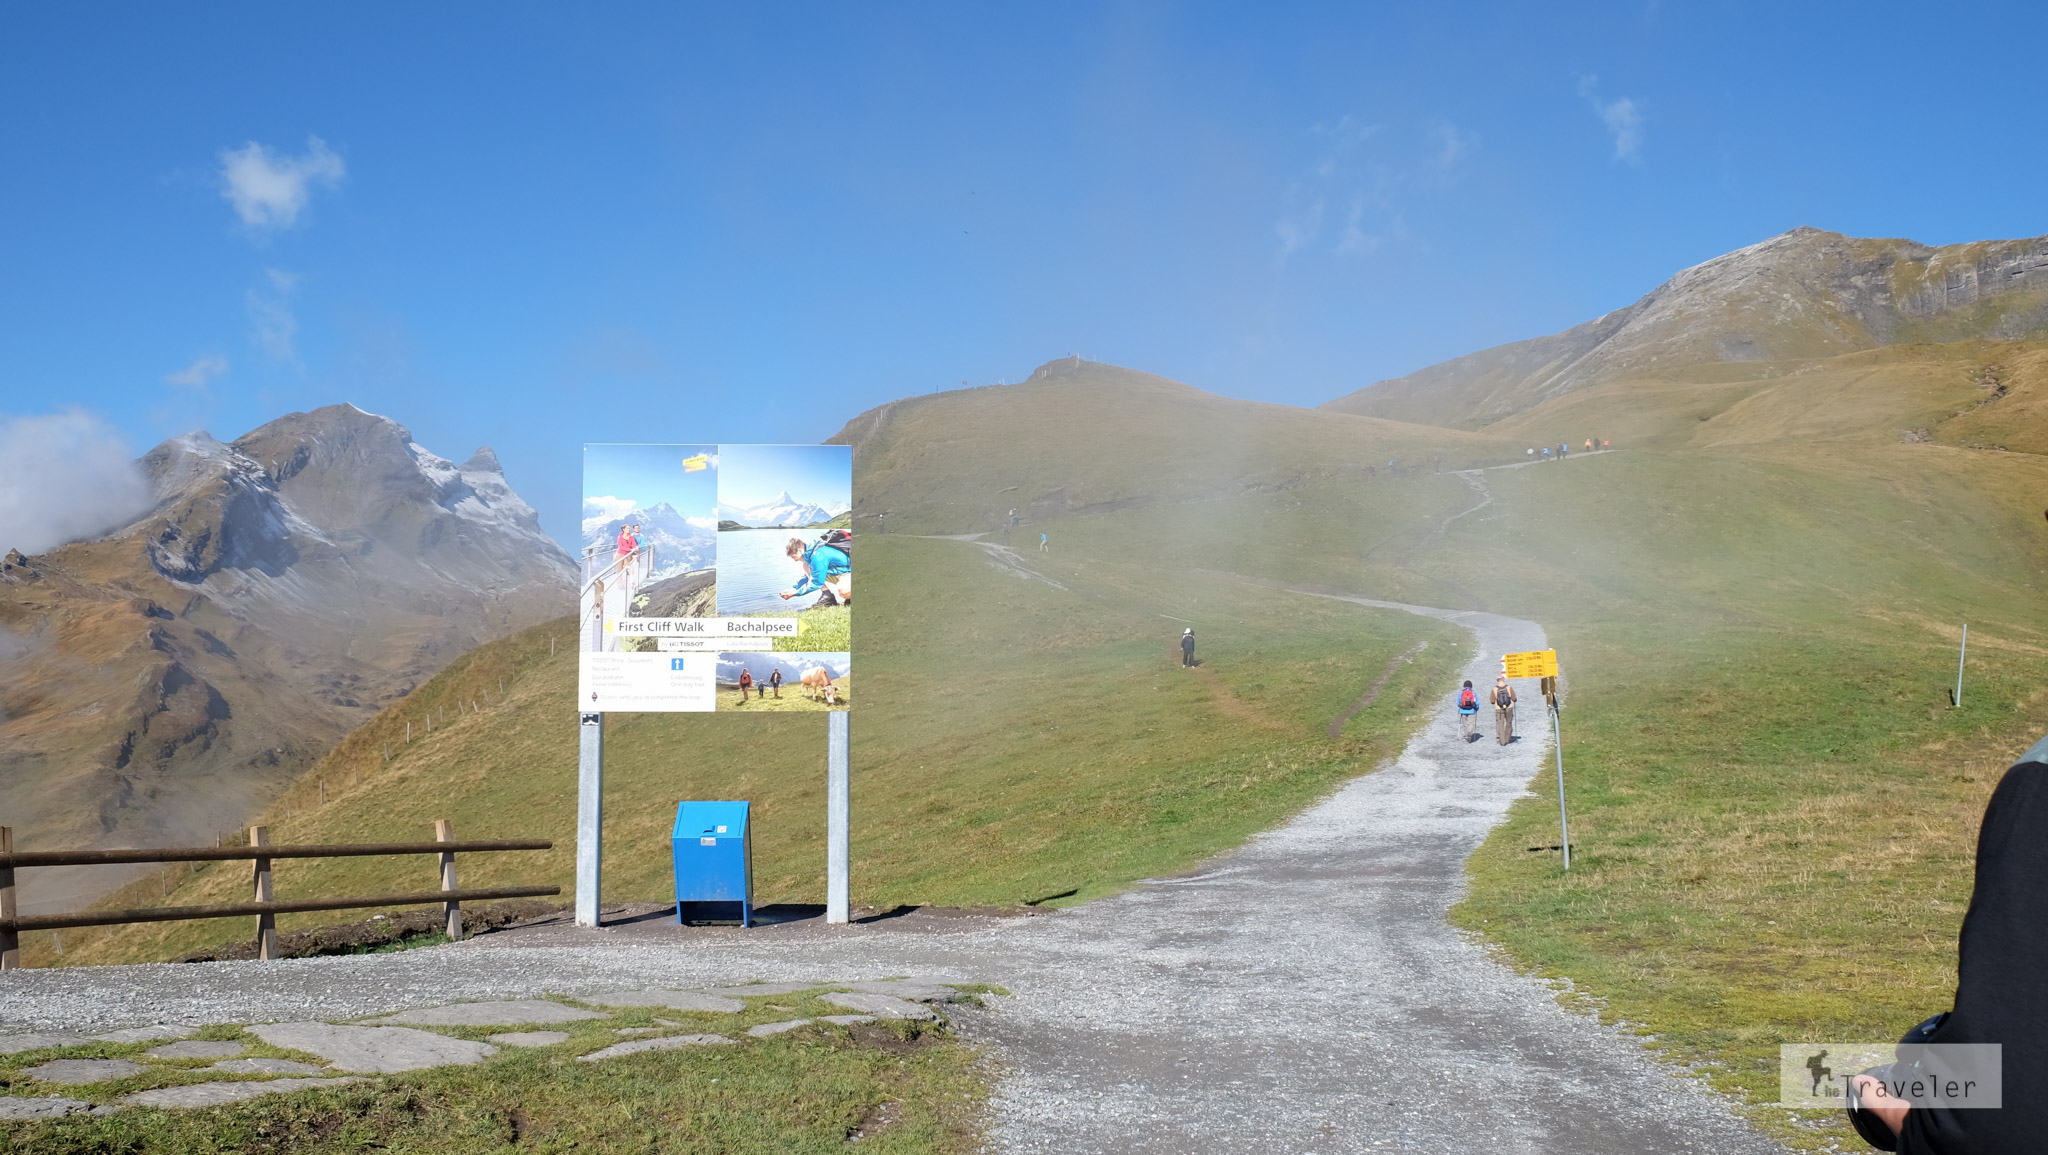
(265, 907)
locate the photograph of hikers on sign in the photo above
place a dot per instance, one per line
(764, 681)
(649, 537)
(785, 539)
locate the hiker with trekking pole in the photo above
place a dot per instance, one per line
(1504, 709)
(1468, 711)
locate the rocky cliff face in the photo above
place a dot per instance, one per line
(159, 683)
(1806, 293)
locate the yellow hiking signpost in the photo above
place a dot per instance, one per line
(1543, 664)
(1530, 664)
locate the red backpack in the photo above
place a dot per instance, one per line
(1468, 700)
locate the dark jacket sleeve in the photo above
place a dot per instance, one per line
(2002, 977)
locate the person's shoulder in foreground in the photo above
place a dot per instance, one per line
(2001, 964)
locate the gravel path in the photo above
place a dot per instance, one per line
(1302, 994)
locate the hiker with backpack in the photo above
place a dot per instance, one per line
(1187, 648)
(828, 566)
(1504, 709)
(1468, 711)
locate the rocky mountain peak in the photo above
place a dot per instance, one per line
(1801, 294)
(483, 461)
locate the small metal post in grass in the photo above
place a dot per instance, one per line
(1961, 653)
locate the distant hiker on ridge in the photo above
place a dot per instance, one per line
(1468, 711)
(1187, 648)
(1042, 547)
(1504, 709)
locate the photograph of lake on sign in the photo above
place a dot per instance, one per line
(785, 542)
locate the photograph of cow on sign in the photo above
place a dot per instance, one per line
(650, 539)
(771, 682)
(785, 539)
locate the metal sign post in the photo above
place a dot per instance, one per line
(589, 816)
(838, 807)
(1564, 829)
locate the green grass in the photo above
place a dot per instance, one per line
(902, 1086)
(824, 629)
(1014, 739)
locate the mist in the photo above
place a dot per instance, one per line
(64, 476)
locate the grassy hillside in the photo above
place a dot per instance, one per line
(1016, 737)
(1081, 437)
(1755, 601)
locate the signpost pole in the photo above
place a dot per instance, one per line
(1564, 830)
(838, 799)
(1960, 654)
(589, 816)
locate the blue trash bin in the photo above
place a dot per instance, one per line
(714, 855)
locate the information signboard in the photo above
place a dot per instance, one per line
(716, 577)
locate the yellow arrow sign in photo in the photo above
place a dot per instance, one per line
(1530, 664)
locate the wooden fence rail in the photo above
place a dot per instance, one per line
(265, 908)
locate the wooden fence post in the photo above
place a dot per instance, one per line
(444, 831)
(266, 923)
(10, 939)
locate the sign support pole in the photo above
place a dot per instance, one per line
(1564, 830)
(838, 807)
(589, 816)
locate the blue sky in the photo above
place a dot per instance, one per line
(753, 475)
(618, 479)
(531, 226)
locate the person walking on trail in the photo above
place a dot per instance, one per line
(1468, 711)
(1504, 709)
(1589, 445)
(746, 682)
(1042, 547)
(1187, 648)
(775, 681)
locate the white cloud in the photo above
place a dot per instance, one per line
(63, 477)
(273, 326)
(270, 189)
(599, 510)
(703, 522)
(199, 372)
(1361, 179)
(1623, 118)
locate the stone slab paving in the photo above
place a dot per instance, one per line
(912, 990)
(881, 1006)
(381, 1050)
(195, 1049)
(763, 1030)
(669, 1043)
(15, 1044)
(530, 1038)
(148, 1034)
(754, 990)
(674, 1000)
(265, 1067)
(501, 1013)
(846, 1020)
(14, 1107)
(73, 1072)
(214, 1094)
